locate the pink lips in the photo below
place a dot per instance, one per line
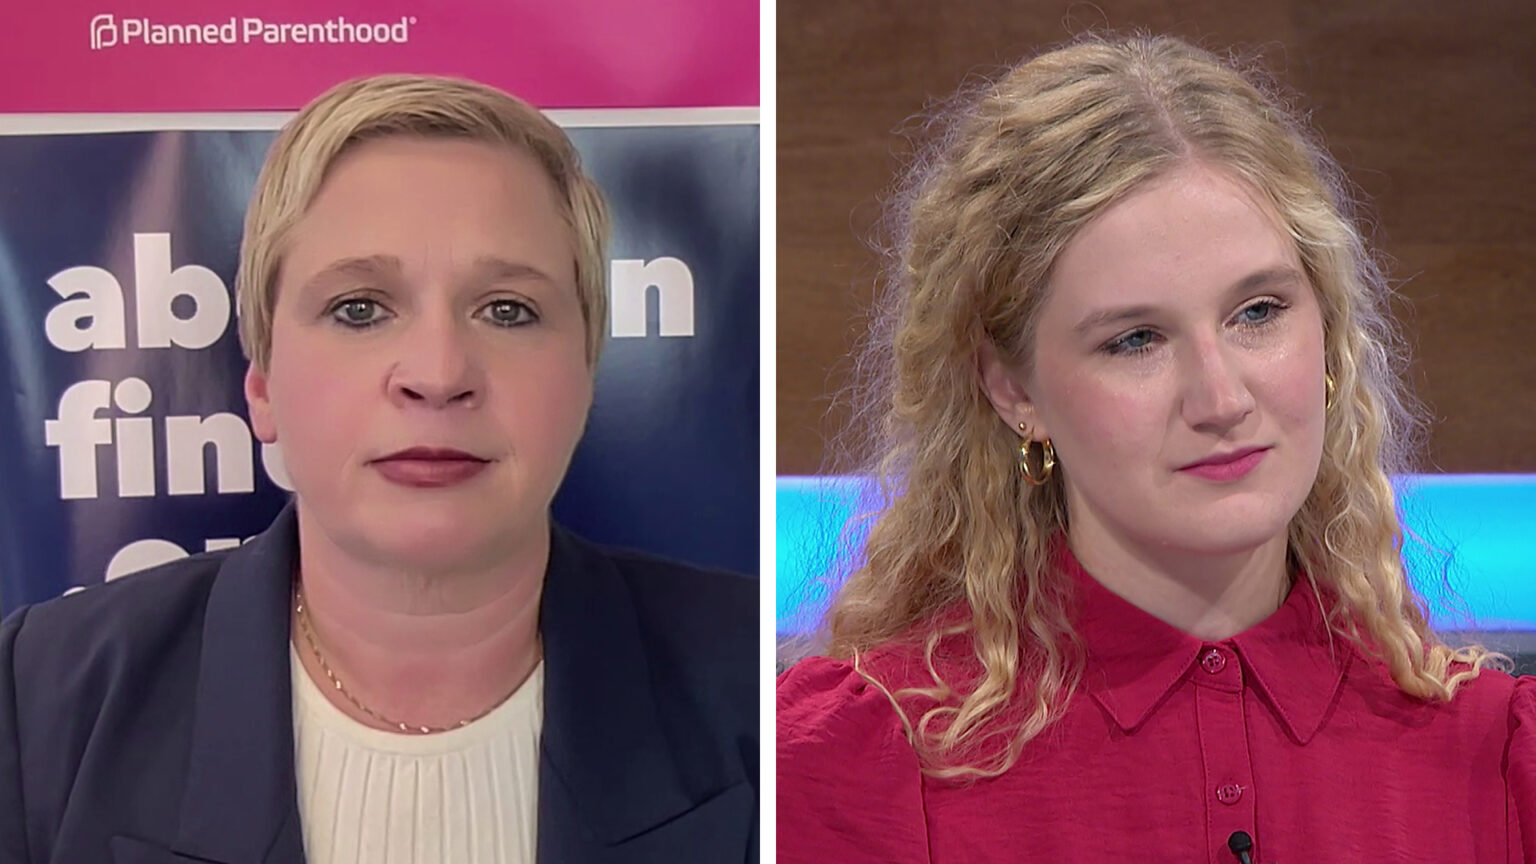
(429, 467)
(1226, 467)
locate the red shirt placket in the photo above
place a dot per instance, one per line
(1219, 711)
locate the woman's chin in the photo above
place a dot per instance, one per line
(1228, 538)
(436, 541)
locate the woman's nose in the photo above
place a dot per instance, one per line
(1216, 394)
(435, 366)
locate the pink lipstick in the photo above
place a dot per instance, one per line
(1227, 467)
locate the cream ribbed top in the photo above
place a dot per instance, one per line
(467, 796)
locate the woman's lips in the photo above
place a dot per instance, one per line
(1228, 470)
(424, 468)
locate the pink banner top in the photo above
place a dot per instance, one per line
(273, 55)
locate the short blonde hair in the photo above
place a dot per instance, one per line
(410, 105)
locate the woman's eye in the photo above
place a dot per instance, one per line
(1133, 342)
(358, 312)
(508, 313)
(1261, 312)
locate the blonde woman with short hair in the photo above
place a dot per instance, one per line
(1133, 589)
(412, 663)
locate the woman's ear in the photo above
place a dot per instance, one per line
(1004, 386)
(260, 405)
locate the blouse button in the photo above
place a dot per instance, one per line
(1213, 661)
(1229, 793)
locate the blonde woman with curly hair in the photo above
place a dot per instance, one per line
(1135, 585)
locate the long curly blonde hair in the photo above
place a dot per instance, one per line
(1018, 168)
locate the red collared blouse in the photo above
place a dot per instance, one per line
(1170, 746)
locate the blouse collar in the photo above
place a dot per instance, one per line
(1135, 661)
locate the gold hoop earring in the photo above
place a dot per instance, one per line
(1047, 459)
(1328, 397)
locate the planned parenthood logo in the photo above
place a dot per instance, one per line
(108, 31)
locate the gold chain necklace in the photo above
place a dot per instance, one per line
(302, 613)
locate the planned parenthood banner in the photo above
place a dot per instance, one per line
(123, 433)
(186, 55)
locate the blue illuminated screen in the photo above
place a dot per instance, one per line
(1470, 547)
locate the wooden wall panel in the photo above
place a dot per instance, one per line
(1430, 106)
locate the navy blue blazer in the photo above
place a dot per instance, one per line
(150, 719)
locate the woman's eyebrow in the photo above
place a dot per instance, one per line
(1267, 277)
(490, 269)
(1276, 276)
(1112, 315)
(361, 268)
(487, 269)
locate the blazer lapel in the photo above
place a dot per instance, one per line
(605, 764)
(241, 803)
